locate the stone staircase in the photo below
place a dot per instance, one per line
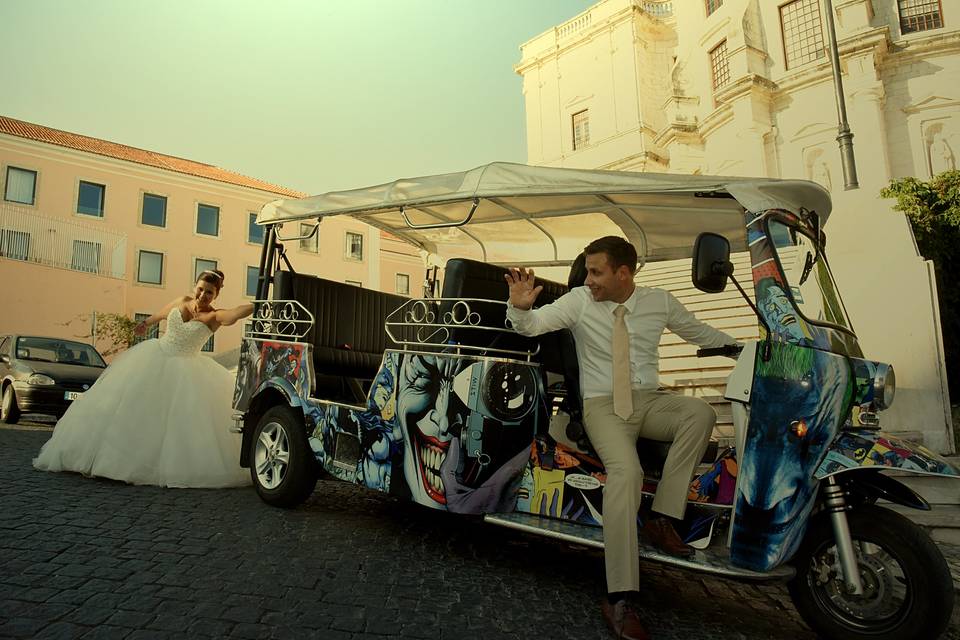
(942, 522)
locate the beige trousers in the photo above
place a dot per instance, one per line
(685, 421)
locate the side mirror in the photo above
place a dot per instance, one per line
(5, 359)
(711, 263)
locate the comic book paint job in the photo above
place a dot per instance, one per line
(857, 449)
(562, 482)
(777, 486)
(801, 396)
(262, 362)
(775, 298)
(566, 483)
(717, 484)
(450, 433)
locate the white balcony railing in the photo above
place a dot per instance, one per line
(59, 242)
(658, 8)
(574, 26)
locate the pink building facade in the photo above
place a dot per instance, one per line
(88, 225)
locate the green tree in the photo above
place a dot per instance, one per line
(117, 329)
(933, 208)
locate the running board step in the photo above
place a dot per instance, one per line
(709, 560)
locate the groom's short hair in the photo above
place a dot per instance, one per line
(619, 252)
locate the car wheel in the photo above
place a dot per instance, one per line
(9, 410)
(282, 465)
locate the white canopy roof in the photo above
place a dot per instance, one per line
(502, 212)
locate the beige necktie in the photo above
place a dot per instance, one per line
(622, 387)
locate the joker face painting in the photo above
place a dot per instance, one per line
(430, 415)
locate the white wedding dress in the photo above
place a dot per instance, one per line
(160, 414)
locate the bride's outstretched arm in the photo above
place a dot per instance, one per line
(230, 316)
(141, 328)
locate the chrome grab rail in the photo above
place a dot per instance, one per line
(276, 319)
(434, 332)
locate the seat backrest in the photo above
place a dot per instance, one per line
(283, 285)
(348, 334)
(578, 272)
(465, 278)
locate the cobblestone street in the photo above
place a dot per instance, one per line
(90, 558)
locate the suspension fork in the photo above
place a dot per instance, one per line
(836, 503)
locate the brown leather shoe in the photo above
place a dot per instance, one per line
(623, 621)
(661, 534)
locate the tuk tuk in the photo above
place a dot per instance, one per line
(437, 400)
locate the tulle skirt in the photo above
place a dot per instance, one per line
(152, 418)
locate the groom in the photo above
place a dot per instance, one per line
(617, 327)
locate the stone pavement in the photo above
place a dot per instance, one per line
(91, 558)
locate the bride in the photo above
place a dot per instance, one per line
(161, 413)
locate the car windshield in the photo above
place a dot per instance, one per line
(56, 350)
(808, 276)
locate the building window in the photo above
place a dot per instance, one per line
(90, 199)
(200, 265)
(21, 186)
(802, 32)
(253, 275)
(150, 267)
(254, 231)
(354, 283)
(719, 66)
(15, 244)
(403, 284)
(208, 220)
(919, 15)
(354, 248)
(311, 244)
(86, 256)
(154, 211)
(153, 331)
(581, 129)
(208, 345)
(713, 5)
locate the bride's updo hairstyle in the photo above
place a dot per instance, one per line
(214, 277)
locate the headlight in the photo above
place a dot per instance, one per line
(40, 379)
(884, 385)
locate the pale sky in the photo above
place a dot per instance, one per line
(310, 94)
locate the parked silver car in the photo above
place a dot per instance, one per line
(44, 375)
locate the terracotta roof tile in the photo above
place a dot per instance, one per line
(109, 149)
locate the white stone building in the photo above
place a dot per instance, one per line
(744, 87)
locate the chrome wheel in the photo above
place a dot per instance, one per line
(272, 455)
(907, 587)
(886, 591)
(282, 466)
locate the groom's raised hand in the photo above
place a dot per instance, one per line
(523, 293)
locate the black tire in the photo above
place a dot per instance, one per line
(9, 409)
(894, 555)
(282, 484)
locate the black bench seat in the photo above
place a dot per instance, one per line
(347, 335)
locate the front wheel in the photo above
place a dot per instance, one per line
(282, 465)
(907, 587)
(9, 410)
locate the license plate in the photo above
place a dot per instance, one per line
(72, 395)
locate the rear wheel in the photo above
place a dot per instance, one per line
(9, 410)
(907, 587)
(282, 465)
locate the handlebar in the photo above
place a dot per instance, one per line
(728, 350)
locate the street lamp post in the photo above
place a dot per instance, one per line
(845, 136)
